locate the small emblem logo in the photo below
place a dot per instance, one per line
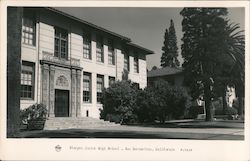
(58, 148)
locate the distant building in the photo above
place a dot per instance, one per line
(66, 62)
(173, 76)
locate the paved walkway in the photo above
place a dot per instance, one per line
(217, 130)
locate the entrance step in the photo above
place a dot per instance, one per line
(56, 123)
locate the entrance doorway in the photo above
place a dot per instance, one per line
(61, 103)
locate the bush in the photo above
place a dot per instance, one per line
(34, 113)
(119, 101)
(170, 101)
(145, 106)
(124, 102)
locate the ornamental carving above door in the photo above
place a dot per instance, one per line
(62, 81)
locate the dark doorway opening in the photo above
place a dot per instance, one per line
(61, 103)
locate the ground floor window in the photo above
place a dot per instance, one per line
(27, 80)
(136, 64)
(86, 87)
(111, 80)
(99, 87)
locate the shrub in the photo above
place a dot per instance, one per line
(33, 113)
(145, 109)
(119, 101)
(124, 102)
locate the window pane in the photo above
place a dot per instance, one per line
(61, 43)
(99, 86)
(87, 87)
(27, 80)
(86, 46)
(136, 65)
(28, 30)
(126, 62)
(111, 80)
(99, 52)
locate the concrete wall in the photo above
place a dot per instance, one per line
(45, 43)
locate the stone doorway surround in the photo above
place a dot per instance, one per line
(64, 75)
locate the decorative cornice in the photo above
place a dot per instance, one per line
(48, 58)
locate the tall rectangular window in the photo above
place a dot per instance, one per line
(61, 43)
(99, 87)
(111, 53)
(111, 81)
(99, 50)
(126, 62)
(87, 46)
(86, 87)
(27, 80)
(136, 64)
(28, 29)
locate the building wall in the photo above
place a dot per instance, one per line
(175, 79)
(46, 21)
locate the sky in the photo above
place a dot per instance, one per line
(144, 26)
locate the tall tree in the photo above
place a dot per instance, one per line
(203, 43)
(170, 49)
(173, 49)
(235, 41)
(165, 50)
(213, 52)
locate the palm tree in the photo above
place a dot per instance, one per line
(235, 48)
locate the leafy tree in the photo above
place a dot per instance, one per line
(161, 101)
(201, 46)
(154, 68)
(145, 109)
(119, 101)
(208, 43)
(170, 49)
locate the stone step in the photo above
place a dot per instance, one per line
(54, 123)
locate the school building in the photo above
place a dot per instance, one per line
(66, 62)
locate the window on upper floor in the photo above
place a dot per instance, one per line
(111, 53)
(27, 80)
(136, 64)
(126, 61)
(99, 50)
(87, 46)
(61, 43)
(86, 87)
(99, 87)
(29, 29)
(111, 81)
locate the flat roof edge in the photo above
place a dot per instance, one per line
(147, 51)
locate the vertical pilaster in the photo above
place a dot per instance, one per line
(105, 51)
(93, 92)
(93, 46)
(119, 64)
(45, 85)
(73, 93)
(106, 81)
(78, 93)
(52, 91)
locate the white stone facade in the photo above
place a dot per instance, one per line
(51, 73)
